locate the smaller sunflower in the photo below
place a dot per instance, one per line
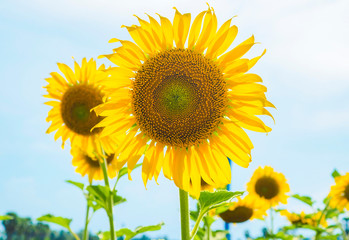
(75, 94)
(304, 219)
(87, 164)
(295, 218)
(243, 210)
(340, 193)
(268, 187)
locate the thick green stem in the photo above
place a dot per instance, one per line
(197, 224)
(208, 232)
(85, 236)
(184, 208)
(110, 204)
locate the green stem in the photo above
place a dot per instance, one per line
(344, 234)
(184, 208)
(85, 236)
(323, 212)
(272, 221)
(197, 224)
(74, 234)
(317, 235)
(208, 232)
(110, 203)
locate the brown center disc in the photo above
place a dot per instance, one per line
(267, 187)
(76, 106)
(179, 97)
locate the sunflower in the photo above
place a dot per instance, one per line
(268, 186)
(89, 164)
(75, 94)
(305, 219)
(340, 193)
(180, 99)
(243, 210)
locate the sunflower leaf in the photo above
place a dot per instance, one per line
(123, 171)
(100, 195)
(335, 173)
(305, 199)
(6, 217)
(64, 222)
(210, 200)
(77, 184)
(117, 199)
(128, 233)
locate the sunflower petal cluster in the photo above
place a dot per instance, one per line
(305, 219)
(339, 193)
(181, 97)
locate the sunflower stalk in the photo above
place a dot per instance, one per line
(85, 236)
(110, 203)
(184, 208)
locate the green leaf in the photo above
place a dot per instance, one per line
(150, 228)
(117, 199)
(332, 212)
(219, 235)
(305, 199)
(6, 217)
(194, 215)
(128, 233)
(123, 171)
(101, 193)
(335, 173)
(99, 197)
(210, 200)
(77, 184)
(64, 222)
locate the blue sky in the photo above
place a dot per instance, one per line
(306, 70)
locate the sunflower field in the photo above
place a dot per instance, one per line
(173, 126)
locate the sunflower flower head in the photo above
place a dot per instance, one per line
(268, 186)
(75, 94)
(180, 98)
(243, 210)
(90, 165)
(340, 193)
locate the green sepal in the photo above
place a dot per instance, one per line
(335, 173)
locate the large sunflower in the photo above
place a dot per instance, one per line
(243, 210)
(89, 164)
(75, 94)
(340, 193)
(268, 186)
(179, 98)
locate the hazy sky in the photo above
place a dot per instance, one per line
(306, 70)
